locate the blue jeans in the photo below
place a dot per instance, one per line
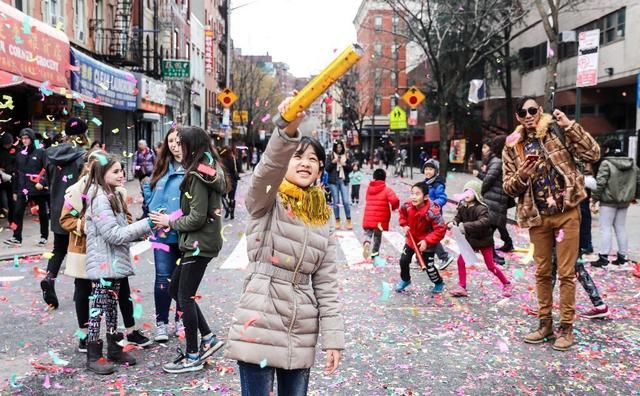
(256, 381)
(339, 189)
(165, 264)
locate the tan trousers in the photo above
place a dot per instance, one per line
(543, 238)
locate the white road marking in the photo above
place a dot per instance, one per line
(351, 247)
(238, 259)
(395, 239)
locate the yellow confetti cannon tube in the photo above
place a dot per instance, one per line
(319, 84)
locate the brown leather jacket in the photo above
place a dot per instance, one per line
(578, 145)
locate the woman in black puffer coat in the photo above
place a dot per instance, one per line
(496, 199)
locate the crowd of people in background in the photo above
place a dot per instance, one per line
(550, 169)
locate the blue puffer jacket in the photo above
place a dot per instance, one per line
(437, 192)
(166, 195)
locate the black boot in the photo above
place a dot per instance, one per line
(95, 361)
(621, 260)
(49, 291)
(115, 352)
(602, 261)
(507, 247)
(232, 208)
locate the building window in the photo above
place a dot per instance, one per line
(175, 44)
(395, 49)
(395, 21)
(394, 101)
(78, 21)
(394, 78)
(98, 15)
(377, 50)
(22, 5)
(533, 57)
(612, 26)
(376, 104)
(52, 12)
(378, 75)
(377, 23)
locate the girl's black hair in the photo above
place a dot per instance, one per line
(335, 147)
(522, 100)
(307, 141)
(195, 143)
(497, 145)
(423, 187)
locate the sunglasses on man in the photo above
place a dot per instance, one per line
(523, 112)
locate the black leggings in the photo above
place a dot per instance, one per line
(81, 299)
(184, 287)
(405, 260)
(60, 246)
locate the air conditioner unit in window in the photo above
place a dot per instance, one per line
(568, 37)
(81, 36)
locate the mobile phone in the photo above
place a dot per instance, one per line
(532, 158)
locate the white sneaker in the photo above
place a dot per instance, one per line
(162, 333)
(445, 263)
(179, 328)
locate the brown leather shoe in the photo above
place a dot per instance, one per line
(543, 334)
(564, 341)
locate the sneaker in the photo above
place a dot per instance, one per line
(137, 338)
(445, 263)
(596, 312)
(379, 261)
(586, 251)
(42, 242)
(179, 328)
(366, 250)
(401, 285)
(82, 345)
(209, 347)
(162, 333)
(459, 292)
(507, 290)
(602, 261)
(13, 242)
(499, 260)
(183, 364)
(620, 260)
(438, 288)
(506, 248)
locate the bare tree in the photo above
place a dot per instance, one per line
(457, 38)
(549, 11)
(258, 94)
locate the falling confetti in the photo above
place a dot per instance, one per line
(560, 236)
(263, 363)
(386, 291)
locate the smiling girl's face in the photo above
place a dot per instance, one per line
(304, 168)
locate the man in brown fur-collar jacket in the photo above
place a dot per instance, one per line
(539, 169)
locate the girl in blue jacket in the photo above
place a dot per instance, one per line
(163, 195)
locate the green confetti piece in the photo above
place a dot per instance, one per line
(80, 334)
(105, 283)
(518, 273)
(93, 312)
(96, 121)
(12, 382)
(137, 311)
(263, 363)
(208, 154)
(16, 262)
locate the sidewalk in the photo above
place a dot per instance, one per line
(31, 229)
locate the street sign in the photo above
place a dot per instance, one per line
(413, 97)
(398, 118)
(227, 97)
(241, 116)
(588, 46)
(413, 117)
(175, 69)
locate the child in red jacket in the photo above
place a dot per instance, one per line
(381, 200)
(422, 221)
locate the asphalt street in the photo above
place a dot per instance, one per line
(397, 343)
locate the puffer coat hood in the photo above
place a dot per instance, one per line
(64, 165)
(290, 294)
(618, 182)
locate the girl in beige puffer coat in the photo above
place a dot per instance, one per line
(291, 291)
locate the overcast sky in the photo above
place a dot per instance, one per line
(305, 34)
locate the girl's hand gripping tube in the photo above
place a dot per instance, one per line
(319, 84)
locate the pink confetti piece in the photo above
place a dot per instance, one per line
(161, 246)
(47, 382)
(560, 236)
(207, 170)
(176, 215)
(265, 118)
(513, 139)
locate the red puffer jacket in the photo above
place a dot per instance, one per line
(380, 201)
(425, 223)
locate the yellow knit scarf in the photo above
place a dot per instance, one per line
(308, 204)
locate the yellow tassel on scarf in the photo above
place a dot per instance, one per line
(309, 204)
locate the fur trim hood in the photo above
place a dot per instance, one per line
(542, 129)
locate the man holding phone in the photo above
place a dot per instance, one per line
(540, 170)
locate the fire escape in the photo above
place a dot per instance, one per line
(119, 45)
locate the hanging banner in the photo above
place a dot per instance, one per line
(32, 49)
(99, 80)
(588, 47)
(208, 49)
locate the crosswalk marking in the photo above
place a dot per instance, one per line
(350, 246)
(238, 259)
(395, 239)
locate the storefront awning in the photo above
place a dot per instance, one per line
(33, 50)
